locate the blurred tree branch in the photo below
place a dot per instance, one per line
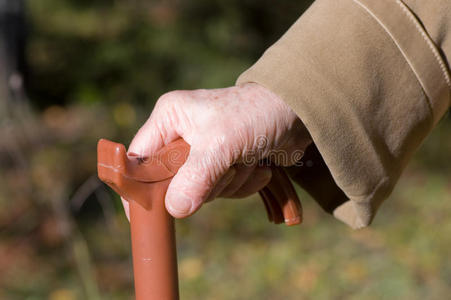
(20, 132)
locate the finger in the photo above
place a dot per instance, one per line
(194, 181)
(256, 181)
(126, 206)
(242, 174)
(223, 183)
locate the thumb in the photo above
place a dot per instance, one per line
(194, 182)
(147, 140)
(154, 134)
(160, 128)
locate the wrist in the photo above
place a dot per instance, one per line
(292, 131)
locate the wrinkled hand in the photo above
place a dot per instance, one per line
(230, 131)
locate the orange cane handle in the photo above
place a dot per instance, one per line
(281, 200)
(138, 176)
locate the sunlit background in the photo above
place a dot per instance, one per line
(73, 71)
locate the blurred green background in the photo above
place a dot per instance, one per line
(94, 68)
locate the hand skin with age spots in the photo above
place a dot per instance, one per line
(230, 130)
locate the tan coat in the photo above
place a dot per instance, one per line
(370, 80)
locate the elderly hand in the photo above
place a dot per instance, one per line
(230, 131)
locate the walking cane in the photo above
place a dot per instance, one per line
(143, 182)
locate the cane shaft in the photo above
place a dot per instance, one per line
(154, 252)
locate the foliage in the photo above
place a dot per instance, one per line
(121, 50)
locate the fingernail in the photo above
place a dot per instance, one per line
(180, 206)
(140, 159)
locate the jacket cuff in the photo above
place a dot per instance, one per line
(368, 92)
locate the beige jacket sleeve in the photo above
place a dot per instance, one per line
(370, 80)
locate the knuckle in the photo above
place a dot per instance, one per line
(167, 110)
(166, 99)
(171, 99)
